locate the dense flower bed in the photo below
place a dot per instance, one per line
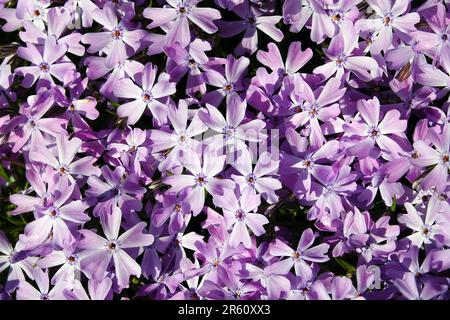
(226, 149)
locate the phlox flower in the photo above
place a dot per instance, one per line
(300, 257)
(180, 13)
(28, 292)
(259, 179)
(117, 37)
(239, 214)
(295, 60)
(230, 82)
(345, 58)
(47, 62)
(318, 105)
(63, 162)
(253, 19)
(439, 158)
(144, 92)
(428, 227)
(201, 178)
(364, 136)
(99, 251)
(390, 16)
(54, 221)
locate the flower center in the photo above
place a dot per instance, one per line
(200, 180)
(228, 131)
(146, 96)
(44, 67)
(117, 33)
(307, 163)
(251, 20)
(112, 246)
(178, 208)
(240, 215)
(444, 37)
(313, 112)
(44, 296)
(251, 179)
(53, 213)
(373, 132)
(192, 63)
(296, 255)
(228, 87)
(426, 230)
(445, 158)
(194, 295)
(182, 10)
(387, 20)
(72, 260)
(216, 263)
(336, 17)
(63, 170)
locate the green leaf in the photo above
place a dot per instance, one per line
(345, 265)
(3, 173)
(394, 203)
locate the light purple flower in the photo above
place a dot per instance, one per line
(144, 92)
(98, 251)
(181, 12)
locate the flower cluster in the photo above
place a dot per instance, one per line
(224, 149)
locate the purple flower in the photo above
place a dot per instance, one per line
(331, 192)
(181, 12)
(27, 292)
(47, 62)
(363, 136)
(98, 251)
(438, 40)
(300, 257)
(296, 58)
(201, 178)
(428, 227)
(62, 160)
(439, 158)
(390, 16)
(253, 20)
(145, 93)
(28, 127)
(191, 61)
(77, 108)
(57, 21)
(116, 191)
(271, 279)
(318, 105)
(231, 130)
(117, 37)
(54, 220)
(230, 82)
(182, 138)
(248, 142)
(257, 179)
(345, 58)
(240, 214)
(16, 260)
